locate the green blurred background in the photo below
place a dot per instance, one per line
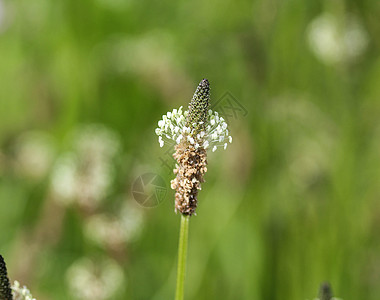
(292, 202)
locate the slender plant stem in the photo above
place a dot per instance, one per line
(182, 254)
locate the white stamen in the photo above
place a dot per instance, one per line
(172, 126)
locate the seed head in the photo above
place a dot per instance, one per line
(5, 288)
(191, 167)
(325, 291)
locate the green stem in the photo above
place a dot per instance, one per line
(182, 254)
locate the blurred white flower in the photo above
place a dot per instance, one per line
(333, 41)
(34, 154)
(311, 137)
(308, 161)
(2, 14)
(7, 12)
(105, 230)
(86, 172)
(131, 217)
(90, 280)
(96, 140)
(64, 179)
(151, 57)
(113, 230)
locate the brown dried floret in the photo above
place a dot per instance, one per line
(191, 167)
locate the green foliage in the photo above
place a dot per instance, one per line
(292, 203)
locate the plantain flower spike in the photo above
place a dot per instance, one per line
(5, 287)
(193, 132)
(325, 292)
(14, 292)
(198, 108)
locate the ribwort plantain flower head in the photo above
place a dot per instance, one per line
(202, 127)
(5, 288)
(325, 292)
(14, 292)
(193, 132)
